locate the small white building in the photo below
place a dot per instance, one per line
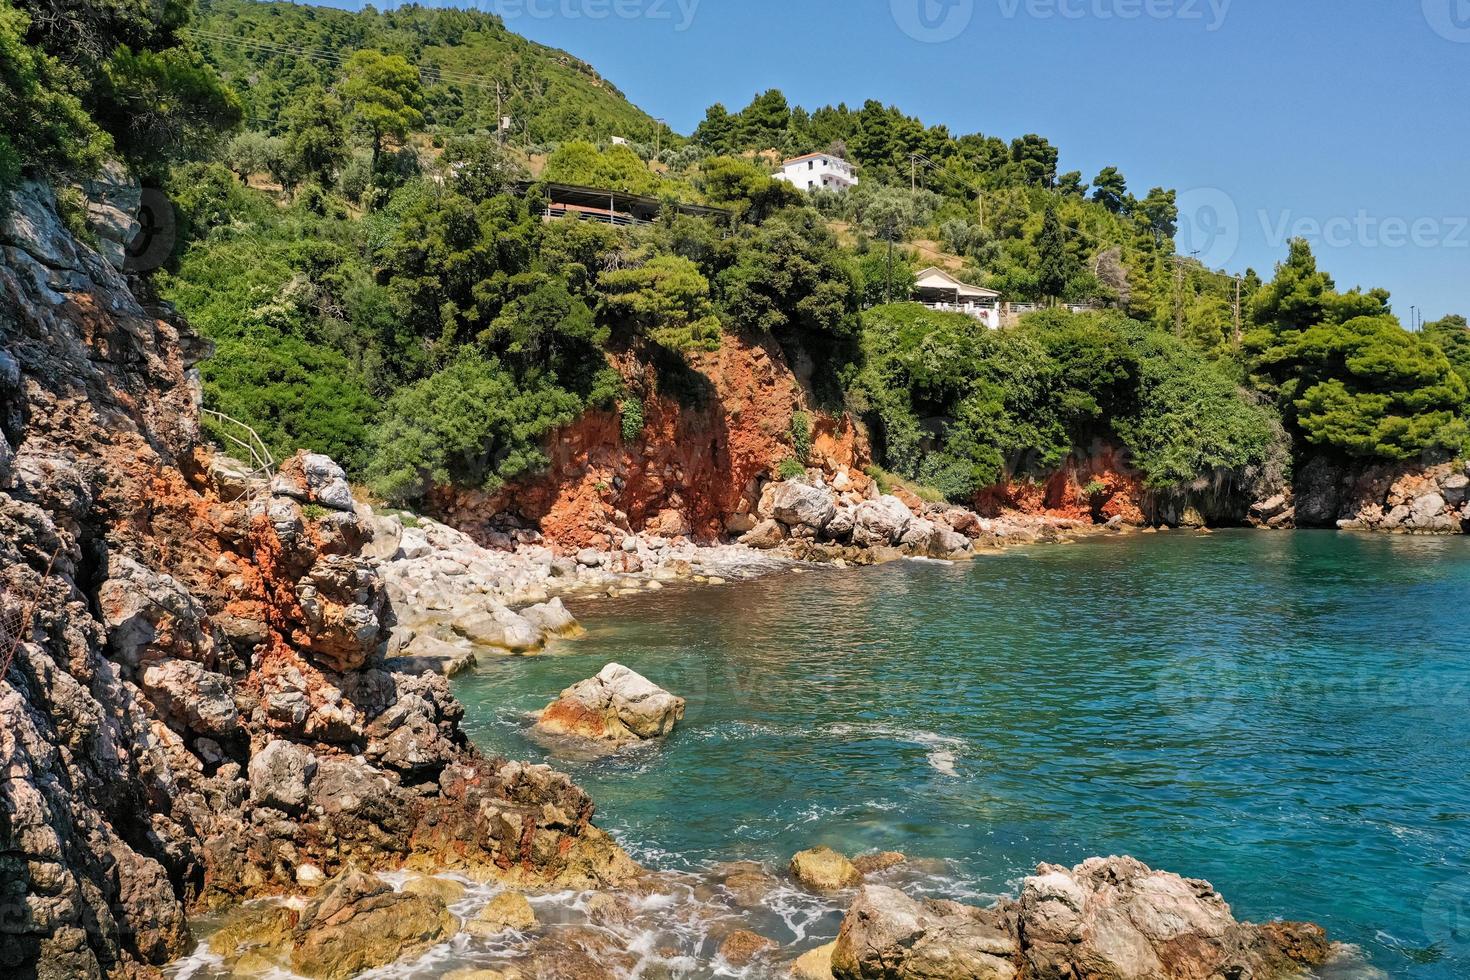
(818, 170)
(939, 290)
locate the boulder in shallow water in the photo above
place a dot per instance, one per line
(617, 706)
(506, 911)
(814, 964)
(823, 869)
(1116, 917)
(551, 618)
(360, 923)
(886, 934)
(868, 864)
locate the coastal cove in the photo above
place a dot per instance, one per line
(1281, 714)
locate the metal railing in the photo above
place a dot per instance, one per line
(262, 463)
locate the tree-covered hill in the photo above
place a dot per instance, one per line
(356, 238)
(475, 70)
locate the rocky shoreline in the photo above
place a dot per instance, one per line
(220, 687)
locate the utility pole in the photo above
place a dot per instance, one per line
(499, 114)
(1238, 336)
(888, 282)
(1178, 295)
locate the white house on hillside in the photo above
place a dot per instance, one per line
(818, 170)
(939, 290)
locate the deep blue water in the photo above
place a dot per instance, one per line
(1287, 715)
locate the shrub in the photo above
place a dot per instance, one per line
(791, 469)
(801, 436)
(632, 420)
(470, 424)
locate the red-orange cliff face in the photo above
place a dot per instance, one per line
(696, 462)
(1096, 487)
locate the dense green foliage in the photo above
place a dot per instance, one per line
(78, 82)
(475, 69)
(1346, 375)
(382, 287)
(959, 407)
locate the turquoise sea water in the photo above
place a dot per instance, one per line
(1287, 715)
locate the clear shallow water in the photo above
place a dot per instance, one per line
(1287, 715)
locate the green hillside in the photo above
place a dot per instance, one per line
(474, 69)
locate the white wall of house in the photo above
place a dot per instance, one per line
(818, 170)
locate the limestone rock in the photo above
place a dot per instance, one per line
(551, 618)
(814, 964)
(617, 706)
(887, 935)
(798, 504)
(823, 869)
(360, 923)
(280, 775)
(192, 699)
(868, 864)
(1455, 488)
(766, 535)
(507, 911)
(880, 522)
(1117, 917)
(150, 615)
(447, 890)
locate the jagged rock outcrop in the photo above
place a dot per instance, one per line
(886, 934)
(1408, 498)
(199, 700)
(1107, 917)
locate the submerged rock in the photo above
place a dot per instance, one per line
(742, 947)
(618, 706)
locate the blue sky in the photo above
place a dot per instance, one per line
(1348, 120)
